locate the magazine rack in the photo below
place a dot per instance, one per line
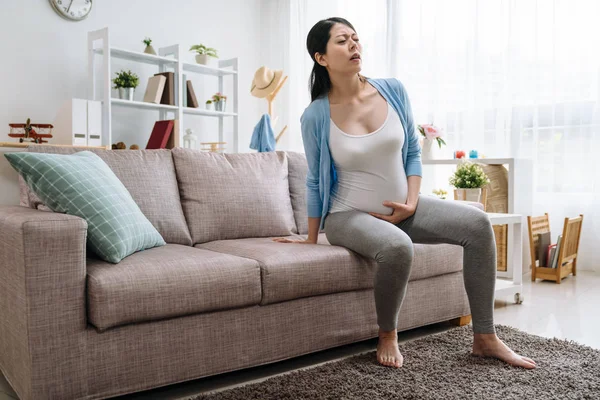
(567, 254)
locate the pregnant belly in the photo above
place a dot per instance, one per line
(368, 196)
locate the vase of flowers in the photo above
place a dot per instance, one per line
(429, 134)
(468, 179)
(204, 53)
(219, 99)
(126, 82)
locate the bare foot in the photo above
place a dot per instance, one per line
(489, 345)
(388, 353)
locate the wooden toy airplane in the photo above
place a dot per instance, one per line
(28, 131)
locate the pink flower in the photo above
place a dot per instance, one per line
(429, 131)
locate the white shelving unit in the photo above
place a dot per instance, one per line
(169, 57)
(520, 199)
(514, 286)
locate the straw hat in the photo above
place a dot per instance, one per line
(265, 81)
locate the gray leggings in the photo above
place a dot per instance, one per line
(391, 246)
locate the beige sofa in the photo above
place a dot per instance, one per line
(220, 296)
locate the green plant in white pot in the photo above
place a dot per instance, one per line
(126, 82)
(203, 53)
(149, 49)
(469, 179)
(219, 100)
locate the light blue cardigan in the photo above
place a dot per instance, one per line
(315, 135)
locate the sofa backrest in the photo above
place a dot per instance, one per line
(237, 195)
(148, 175)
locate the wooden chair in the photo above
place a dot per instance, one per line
(569, 246)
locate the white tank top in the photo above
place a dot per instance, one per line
(369, 167)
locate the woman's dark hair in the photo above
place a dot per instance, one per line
(319, 82)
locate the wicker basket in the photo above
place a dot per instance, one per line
(497, 201)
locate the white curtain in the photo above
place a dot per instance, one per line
(510, 78)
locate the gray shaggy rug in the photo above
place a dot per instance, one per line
(440, 366)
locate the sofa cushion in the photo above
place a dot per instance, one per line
(297, 171)
(169, 281)
(149, 175)
(82, 184)
(231, 196)
(290, 271)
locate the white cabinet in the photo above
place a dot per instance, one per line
(94, 123)
(78, 123)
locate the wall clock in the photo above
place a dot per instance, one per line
(73, 10)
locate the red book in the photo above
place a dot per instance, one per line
(160, 134)
(551, 250)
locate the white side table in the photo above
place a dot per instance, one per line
(514, 256)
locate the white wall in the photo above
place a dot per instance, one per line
(44, 61)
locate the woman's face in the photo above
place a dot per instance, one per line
(342, 48)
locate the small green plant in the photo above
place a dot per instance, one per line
(208, 102)
(147, 41)
(202, 49)
(126, 79)
(469, 176)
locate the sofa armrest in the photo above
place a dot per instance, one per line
(42, 302)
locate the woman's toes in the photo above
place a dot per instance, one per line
(528, 359)
(526, 364)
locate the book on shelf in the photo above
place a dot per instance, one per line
(168, 96)
(543, 243)
(555, 260)
(160, 134)
(174, 136)
(550, 255)
(191, 96)
(155, 88)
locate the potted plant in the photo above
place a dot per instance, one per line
(203, 53)
(220, 100)
(126, 82)
(468, 179)
(149, 49)
(208, 104)
(429, 133)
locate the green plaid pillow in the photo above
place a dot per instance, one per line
(83, 184)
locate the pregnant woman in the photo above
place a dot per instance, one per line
(364, 176)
